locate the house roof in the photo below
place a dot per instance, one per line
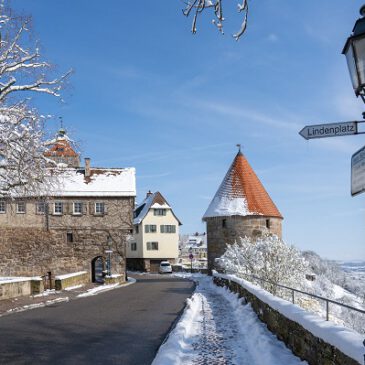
(241, 193)
(106, 182)
(154, 201)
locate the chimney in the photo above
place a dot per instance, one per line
(149, 193)
(87, 167)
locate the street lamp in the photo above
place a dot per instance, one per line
(109, 251)
(354, 51)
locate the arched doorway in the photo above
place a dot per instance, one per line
(97, 268)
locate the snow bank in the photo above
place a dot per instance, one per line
(102, 288)
(176, 348)
(347, 341)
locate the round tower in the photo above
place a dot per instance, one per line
(241, 207)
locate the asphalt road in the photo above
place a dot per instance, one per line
(123, 326)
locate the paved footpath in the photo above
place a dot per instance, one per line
(122, 326)
(217, 329)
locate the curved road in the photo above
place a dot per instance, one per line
(123, 326)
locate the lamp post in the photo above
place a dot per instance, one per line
(109, 252)
(354, 50)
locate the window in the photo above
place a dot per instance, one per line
(224, 223)
(136, 228)
(40, 208)
(70, 237)
(134, 246)
(159, 212)
(150, 228)
(268, 223)
(20, 207)
(2, 207)
(99, 208)
(58, 208)
(152, 246)
(77, 208)
(165, 228)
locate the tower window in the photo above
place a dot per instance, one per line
(224, 223)
(268, 223)
(70, 237)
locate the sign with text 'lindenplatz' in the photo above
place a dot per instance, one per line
(329, 130)
(358, 172)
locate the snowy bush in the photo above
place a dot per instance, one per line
(268, 258)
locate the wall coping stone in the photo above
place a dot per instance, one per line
(18, 279)
(66, 276)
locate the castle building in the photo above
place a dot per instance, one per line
(74, 224)
(241, 207)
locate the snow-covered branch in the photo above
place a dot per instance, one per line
(23, 168)
(198, 6)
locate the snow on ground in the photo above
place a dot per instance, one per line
(102, 288)
(217, 329)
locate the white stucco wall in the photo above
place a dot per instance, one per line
(168, 243)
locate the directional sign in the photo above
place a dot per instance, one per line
(329, 130)
(358, 172)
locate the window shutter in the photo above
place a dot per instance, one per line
(68, 207)
(84, 208)
(51, 208)
(92, 208)
(105, 208)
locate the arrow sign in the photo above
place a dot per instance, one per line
(329, 130)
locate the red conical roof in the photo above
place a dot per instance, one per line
(241, 193)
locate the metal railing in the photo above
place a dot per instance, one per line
(293, 291)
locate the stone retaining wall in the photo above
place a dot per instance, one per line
(77, 279)
(302, 342)
(14, 289)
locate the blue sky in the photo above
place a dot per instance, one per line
(146, 93)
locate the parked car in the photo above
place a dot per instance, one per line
(165, 268)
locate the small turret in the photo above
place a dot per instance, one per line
(62, 150)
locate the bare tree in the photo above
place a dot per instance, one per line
(199, 6)
(22, 69)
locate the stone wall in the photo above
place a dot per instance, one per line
(34, 244)
(223, 230)
(35, 251)
(301, 342)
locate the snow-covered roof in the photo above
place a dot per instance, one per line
(152, 201)
(241, 193)
(198, 241)
(105, 182)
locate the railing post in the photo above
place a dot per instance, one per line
(292, 296)
(327, 310)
